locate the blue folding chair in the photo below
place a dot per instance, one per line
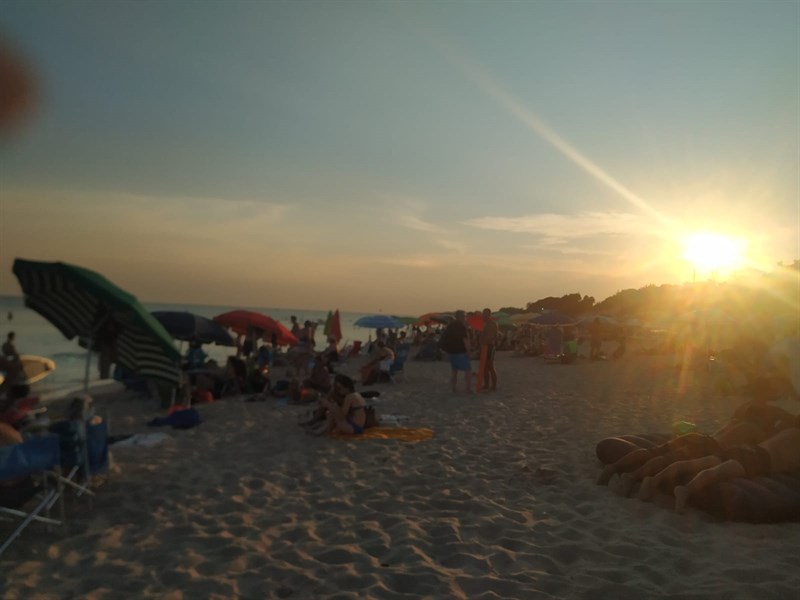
(399, 363)
(33, 467)
(84, 452)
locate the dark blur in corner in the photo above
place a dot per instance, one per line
(18, 89)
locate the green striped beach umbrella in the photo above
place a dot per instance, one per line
(82, 303)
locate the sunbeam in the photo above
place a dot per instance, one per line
(503, 97)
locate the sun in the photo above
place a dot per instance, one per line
(710, 252)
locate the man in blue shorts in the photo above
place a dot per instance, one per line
(455, 341)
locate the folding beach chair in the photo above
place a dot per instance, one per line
(398, 365)
(84, 452)
(29, 473)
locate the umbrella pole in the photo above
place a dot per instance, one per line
(89, 342)
(88, 364)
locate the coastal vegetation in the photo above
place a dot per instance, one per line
(753, 295)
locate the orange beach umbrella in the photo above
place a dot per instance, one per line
(245, 321)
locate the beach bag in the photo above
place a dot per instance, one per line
(370, 417)
(281, 388)
(203, 397)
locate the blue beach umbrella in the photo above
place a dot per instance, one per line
(186, 326)
(379, 322)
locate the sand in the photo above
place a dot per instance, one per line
(501, 503)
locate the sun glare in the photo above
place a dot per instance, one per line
(713, 252)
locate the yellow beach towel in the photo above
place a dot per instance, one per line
(406, 434)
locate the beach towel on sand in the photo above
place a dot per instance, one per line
(181, 419)
(406, 434)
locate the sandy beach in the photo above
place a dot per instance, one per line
(500, 503)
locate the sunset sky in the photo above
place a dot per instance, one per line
(400, 156)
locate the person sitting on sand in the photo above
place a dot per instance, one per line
(330, 355)
(264, 357)
(384, 356)
(350, 416)
(195, 356)
(320, 378)
(777, 454)
(751, 423)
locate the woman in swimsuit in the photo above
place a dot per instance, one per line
(348, 417)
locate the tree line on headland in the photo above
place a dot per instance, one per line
(753, 296)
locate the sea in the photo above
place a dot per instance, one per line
(35, 335)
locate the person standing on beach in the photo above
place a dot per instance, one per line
(488, 339)
(9, 363)
(295, 327)
(455, 342)
(9, 349)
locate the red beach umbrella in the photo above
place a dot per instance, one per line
(244, 321)
(475, 321)
(333, 326)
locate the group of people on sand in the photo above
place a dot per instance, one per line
(760, 439)
(342, 411)
(456, 342)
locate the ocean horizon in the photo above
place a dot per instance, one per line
(35, 335)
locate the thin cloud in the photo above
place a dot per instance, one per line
(190, 211)
(412, 222)
(418, 263)
(562, 248)
(556, 227)
(453, 246)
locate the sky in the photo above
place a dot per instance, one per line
(400, 157)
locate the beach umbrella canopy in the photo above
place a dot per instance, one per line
(379, 322)
(552, 318)
(441, 318)
(327, 327)
(80, 302)
(605, 322)
(475, 321)
(522, 317)
(503, 319)
(186, 326)
(706, 316)
(333, 326)
(406, 320)
(245, 322)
